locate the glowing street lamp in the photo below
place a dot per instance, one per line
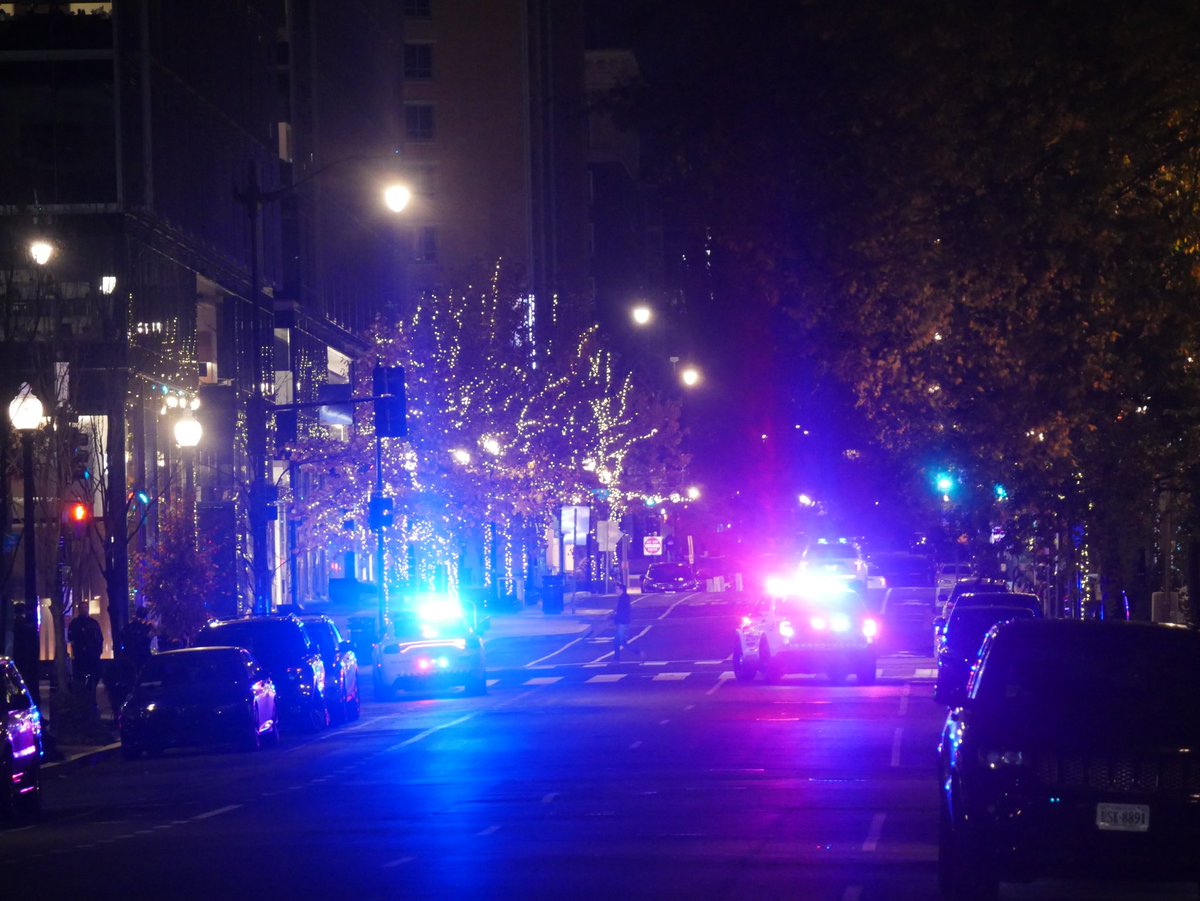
(397, 197)
(187, 435)
(641, 314)
(690, 376)
(41, 251)
(25, 413)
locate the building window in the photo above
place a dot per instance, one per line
(425, 245)
(418, 62)
(418, 9)
(425, 178)
(418, 121)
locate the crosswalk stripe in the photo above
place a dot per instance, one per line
(670, 677)
(607, 677)
(543, 680)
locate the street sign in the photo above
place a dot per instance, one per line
(608, 535)
(652, 545)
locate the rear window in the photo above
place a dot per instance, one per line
(669, 571)
(321, 635)
(831, 552)
(967, 626)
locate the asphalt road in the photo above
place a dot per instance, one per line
(572, 778)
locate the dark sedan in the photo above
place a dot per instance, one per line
(961, 639)
(1073, 753)
(341, 667)
(20, 749)
(669, 577)
(281, 646)
(196, 697)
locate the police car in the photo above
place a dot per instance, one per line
(810, 623)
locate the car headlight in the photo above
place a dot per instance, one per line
(870, 628)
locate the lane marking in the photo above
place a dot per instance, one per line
(549, 797)
(896, 745)
(488, 831)
(874, 832)
(669, 677)
(606, 677)
(211, 813)
(542, 680)
(714, 662)
(398, 862)
(433, 730)
(667, 612)
(663, 722)
(721, 680)
(573, 641)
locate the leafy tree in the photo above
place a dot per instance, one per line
(176, 578)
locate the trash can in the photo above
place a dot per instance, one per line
(552, 594)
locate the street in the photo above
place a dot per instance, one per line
(573, 777)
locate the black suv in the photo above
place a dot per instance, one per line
(281, 646)
(1074, 750)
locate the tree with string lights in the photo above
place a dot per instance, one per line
(494, 446)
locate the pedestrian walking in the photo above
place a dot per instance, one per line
(87, 641)
(623, 618)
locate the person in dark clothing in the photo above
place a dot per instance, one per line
(623, 618)
(137, 639)
(87, 641)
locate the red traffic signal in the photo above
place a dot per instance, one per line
(77, 516)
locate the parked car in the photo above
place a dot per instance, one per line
(21, 751)
(899, 570)
(341, 667)
(995, 594)
(280, 644)
(948, 575)
(669, 577)
(961, 638)
(199, 696)
(908, 615)
(428, 648)
(1071, 752)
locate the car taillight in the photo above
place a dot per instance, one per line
(786, 629)
(819, 623)
(746, 621)
(870, 628)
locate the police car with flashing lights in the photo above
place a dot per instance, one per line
(426, 647)
(812, 623)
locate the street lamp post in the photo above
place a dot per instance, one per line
(187, 435)
(396, 197)
(25, 413)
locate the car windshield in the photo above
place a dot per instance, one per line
(192, 669)
(409, 626)
(997, 599)
(669, 571)
(273, 643)
(831, 552)
(967, 626)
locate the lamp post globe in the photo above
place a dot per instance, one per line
(25, 410)
(690, 376)
(397, 197)
(641, 314)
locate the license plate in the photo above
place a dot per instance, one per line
(1123, 817)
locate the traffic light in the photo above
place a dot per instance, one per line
(379, 512)
(77, 516)
(80, 451)
(390, 405)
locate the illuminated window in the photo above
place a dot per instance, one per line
(418, 62)
(418, 121)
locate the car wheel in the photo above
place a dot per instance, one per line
(382, 692)
(865, 671)
(772, 671)
(965, 872)
(742, 671)
(337, 711)
(252, 740)
(318, 714)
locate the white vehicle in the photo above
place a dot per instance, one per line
(948, 575)
(808, 625)
(426, 648)
(840, 558)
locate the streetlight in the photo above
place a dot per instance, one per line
(641, 314)
(188, 432)
(25, 413)
(262, 494)
(41, 251)
(690, 376)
